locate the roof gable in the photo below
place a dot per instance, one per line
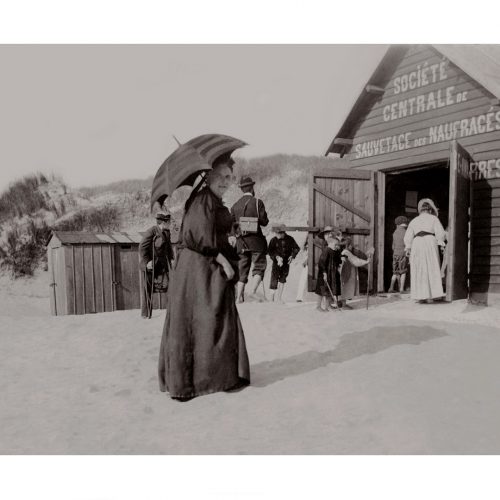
(480, 62)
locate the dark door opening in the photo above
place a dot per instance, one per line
(403, 190)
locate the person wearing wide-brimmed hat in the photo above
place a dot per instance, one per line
(155, 241)
(251, 245)
(282, 250)
(423, 236)
(399, 257)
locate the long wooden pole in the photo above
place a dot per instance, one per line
(102, 279)
(74, 277)
(93, 277)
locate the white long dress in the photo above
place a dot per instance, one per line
(425, 269)
(301, 289)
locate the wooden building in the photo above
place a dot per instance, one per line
(426, 124)
(95, 272)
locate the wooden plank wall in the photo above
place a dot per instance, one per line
(324, 211)
(485, 258)
(97, 278)
(88, 279)
(127, 276)
(424, 145)
(469, 115)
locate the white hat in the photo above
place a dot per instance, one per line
(428, 201)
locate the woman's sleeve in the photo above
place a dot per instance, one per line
(439, 232)
(199, 232)
(409, 235)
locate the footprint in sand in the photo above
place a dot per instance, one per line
(94, 388)
(123, 392)
(148, 410)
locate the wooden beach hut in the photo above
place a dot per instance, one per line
(426, 124)
(95, 272)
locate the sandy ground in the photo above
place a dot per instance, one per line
(400, 378)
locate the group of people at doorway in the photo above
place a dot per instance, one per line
(203, 347)
(418, 245)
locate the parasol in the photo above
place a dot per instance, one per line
(190, 159)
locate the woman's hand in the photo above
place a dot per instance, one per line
(442, 250)
(324, 277)
(226, 266)
(407, 252)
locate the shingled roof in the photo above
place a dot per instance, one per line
(84, 237)
(480, 62)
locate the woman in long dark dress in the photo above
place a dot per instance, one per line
(203, 347)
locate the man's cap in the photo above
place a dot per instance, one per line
(162, 216)
(246, 181)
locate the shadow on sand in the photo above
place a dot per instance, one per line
(351, 346)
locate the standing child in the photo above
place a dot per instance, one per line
(328, 282)
(282, 250)
(399, 257)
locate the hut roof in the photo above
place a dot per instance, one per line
(480, 62)
(80, 237)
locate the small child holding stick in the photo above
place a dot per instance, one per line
(328, 282)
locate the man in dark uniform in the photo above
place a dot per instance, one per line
(157, 236)
(251, 246)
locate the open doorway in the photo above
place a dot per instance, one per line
(403, 190)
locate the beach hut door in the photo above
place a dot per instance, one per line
(458, 224)
(343, 198)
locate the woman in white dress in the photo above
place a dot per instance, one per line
(423, 236)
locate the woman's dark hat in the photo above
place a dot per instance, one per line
(326, 229)
(163, 217)
(246, 181)
(401, 219)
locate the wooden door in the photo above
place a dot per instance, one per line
(345, 199)
(52, 254)
(457, 276)
(126, 278)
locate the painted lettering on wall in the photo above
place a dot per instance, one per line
(479, 124)
(424, 74)
(466, 127)
(485, 169)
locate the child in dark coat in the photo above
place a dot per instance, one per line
(328, 282)
(399, 258)
(282, 250)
